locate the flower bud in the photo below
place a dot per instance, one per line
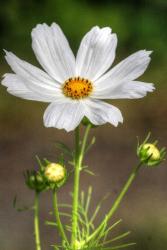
(55, 172)
(152, 151)
(35, 181)
(150, 154)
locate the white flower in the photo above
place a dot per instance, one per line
(74, 87)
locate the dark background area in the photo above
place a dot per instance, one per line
(139, 25)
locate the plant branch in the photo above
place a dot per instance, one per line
(57, 217)
(36, 222)
(117, 201)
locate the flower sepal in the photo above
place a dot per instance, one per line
(86, 122)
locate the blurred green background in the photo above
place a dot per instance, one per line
(139, 25)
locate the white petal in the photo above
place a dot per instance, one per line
(53, 51)
(96, 53)
(99, 113)
(34, 78)
(16, 86)
(64, 115)
(124, 90)
(129, 69)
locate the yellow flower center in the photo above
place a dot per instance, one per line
(77, 88)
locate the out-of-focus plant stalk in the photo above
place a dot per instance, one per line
(36, 221)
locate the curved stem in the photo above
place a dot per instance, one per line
(79, 154)
(57, 216)
(124, 191)
(117, 201)
(36, 222)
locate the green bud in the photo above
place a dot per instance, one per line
(35, 180)
(150, 154)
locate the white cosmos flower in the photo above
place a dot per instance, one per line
(73, 86)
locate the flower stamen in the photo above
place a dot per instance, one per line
(77, 88)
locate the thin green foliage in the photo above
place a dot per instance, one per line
(86, 226)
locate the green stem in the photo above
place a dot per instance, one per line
(79, 154)
(117, 201)
(36, 222)
(57, 216)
